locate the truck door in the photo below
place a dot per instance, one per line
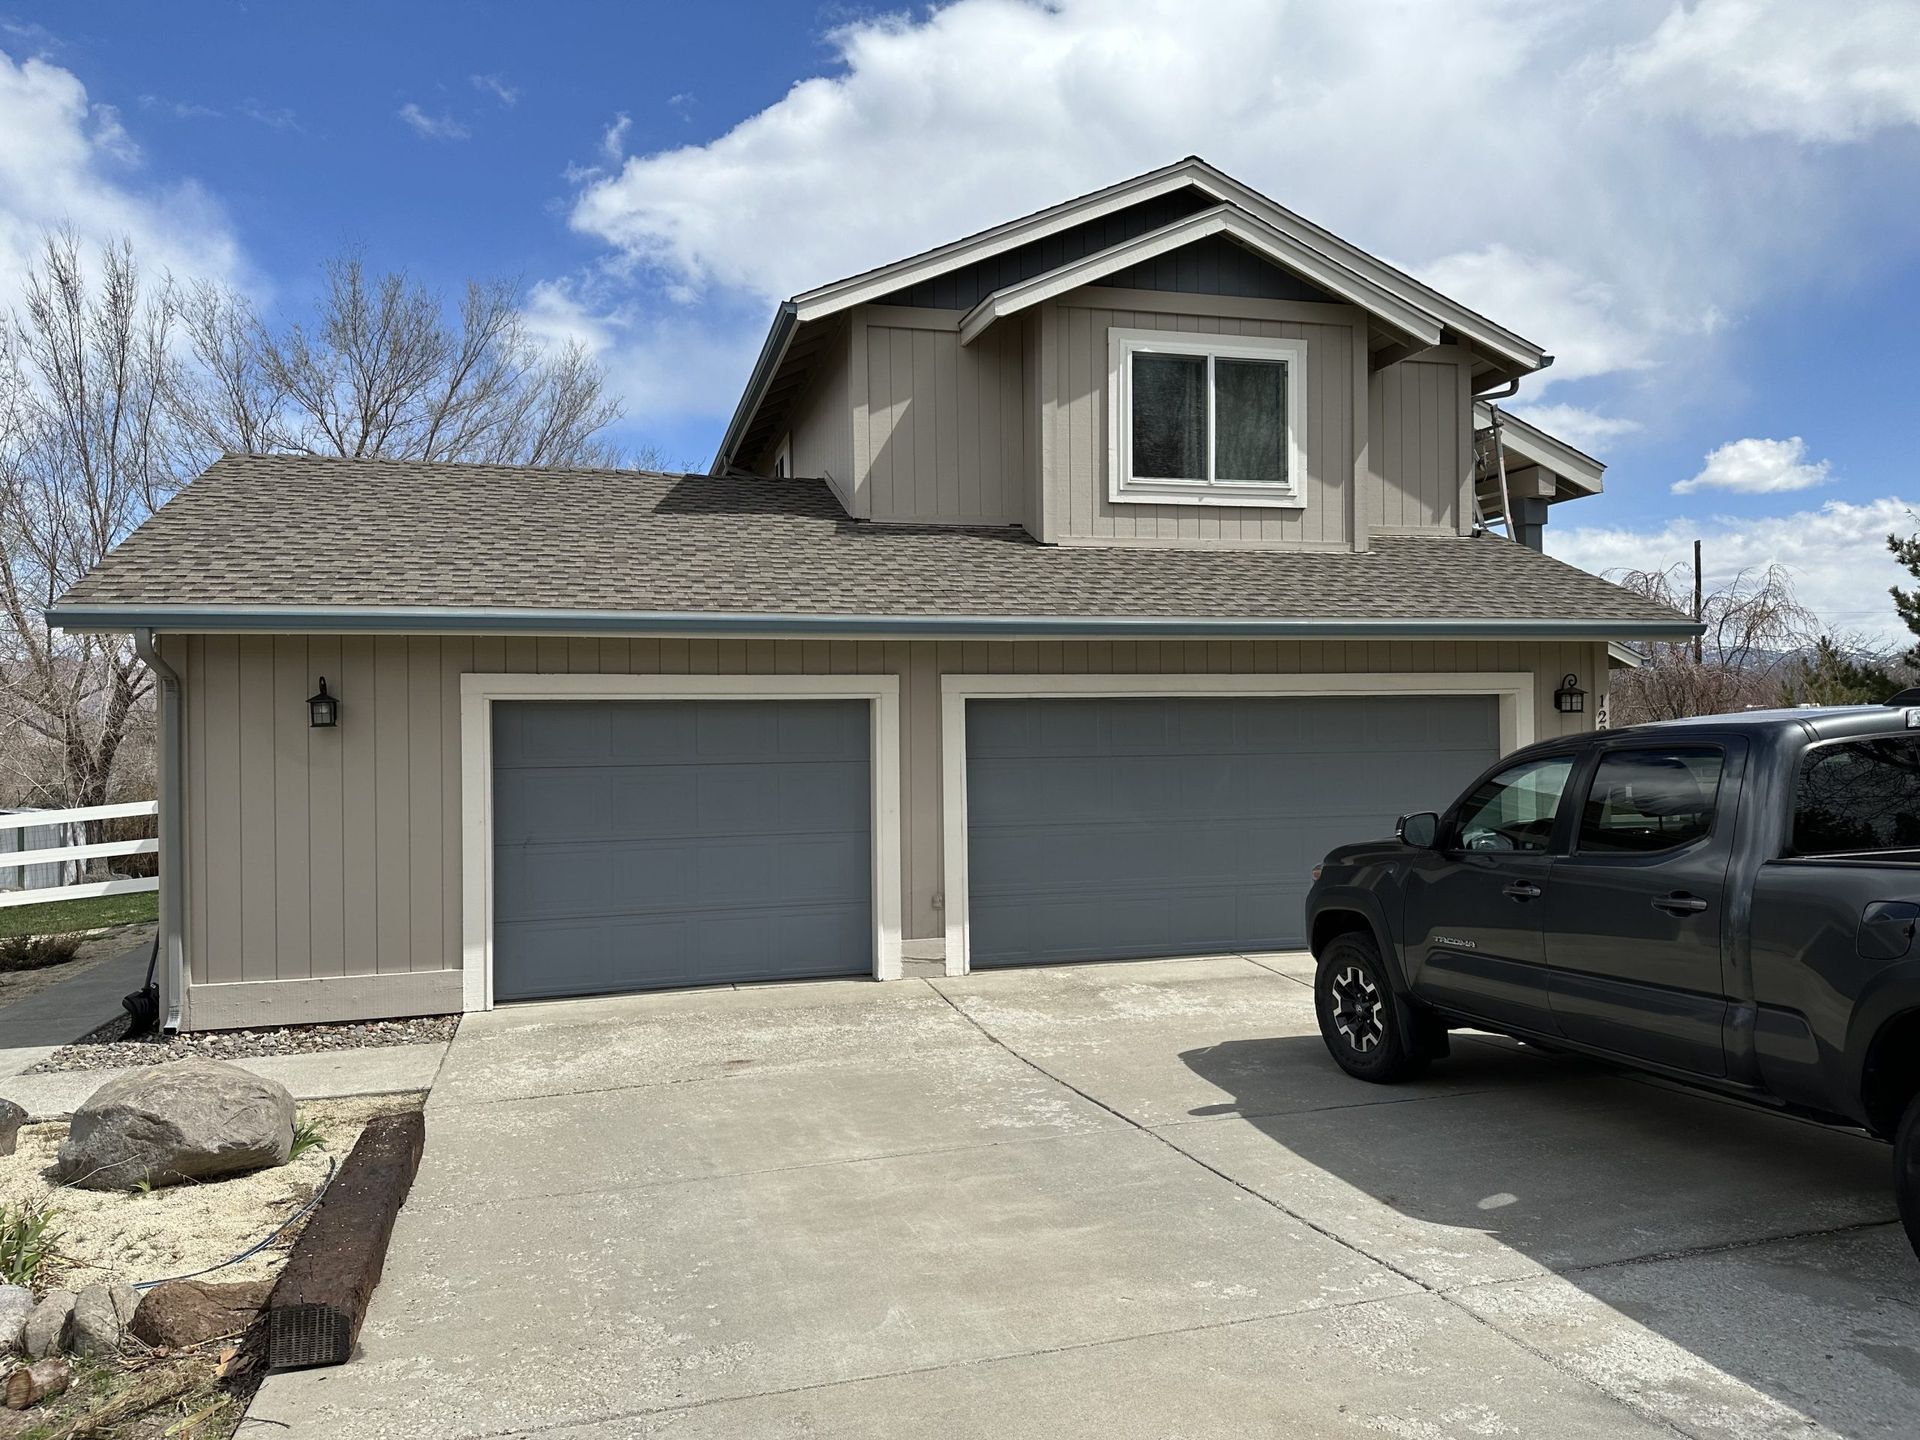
(1636, 907)
(1474, 912)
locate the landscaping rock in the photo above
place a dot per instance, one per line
(189, 1120)
(48, 1324)
(101, 1314)
(12, 1117)
(181, 1313)
(16, 1303)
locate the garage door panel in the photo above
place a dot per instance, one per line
(641, 844)
(1111, 828)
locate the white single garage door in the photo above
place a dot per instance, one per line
(1106, 829)
(641, 844)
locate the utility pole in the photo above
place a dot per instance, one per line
(1698, 657)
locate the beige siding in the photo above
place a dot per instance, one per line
(822, 427)
(335, 853)
(1074, 403)
(1421, 452)
(942, 428)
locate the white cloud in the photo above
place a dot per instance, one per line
(613, 140)
(1545, 189)
(67, 160)
(508, 95)
(1836, 554)
(1757, 467)
(1813, 72)
(432, 127)
(1581, 428)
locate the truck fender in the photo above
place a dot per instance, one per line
(1892, 992)
(1366, 904)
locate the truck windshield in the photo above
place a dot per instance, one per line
(1861, 795)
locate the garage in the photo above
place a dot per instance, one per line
(643, 844)
(1118, 827)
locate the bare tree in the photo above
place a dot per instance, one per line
(1755, 627)
(88, 447)
(382, 371)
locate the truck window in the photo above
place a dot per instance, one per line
(1642, 801)
(1861, 795)
(1514, 810)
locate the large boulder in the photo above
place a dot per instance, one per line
(16, 1303)
(12, 1117)
(180, 1313)
(185, 1120)
(101, 1314)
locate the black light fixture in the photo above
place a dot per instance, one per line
(1569, 699)
(323, 710)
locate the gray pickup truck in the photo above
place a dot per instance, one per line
(1728, 901)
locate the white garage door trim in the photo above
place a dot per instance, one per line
(479, 691)
(1514, 690)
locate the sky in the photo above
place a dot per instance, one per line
(1709, 211)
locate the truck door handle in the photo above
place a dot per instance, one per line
(1522, 890)
(1679, 903)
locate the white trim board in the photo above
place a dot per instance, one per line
(1513, 689)
(479, 691)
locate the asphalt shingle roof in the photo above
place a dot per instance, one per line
(306, 532)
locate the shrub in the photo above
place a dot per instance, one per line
(27, 1236)
(35, 952)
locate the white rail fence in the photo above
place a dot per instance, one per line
(22, 851)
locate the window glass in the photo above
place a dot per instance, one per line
(1250, 413)
(1514, 810)
(1170, 417)
(1646, 800)
(1864, 795)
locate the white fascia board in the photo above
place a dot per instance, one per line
(1226, 219)
(872, 284)
(1530, 442)
(1476, 327)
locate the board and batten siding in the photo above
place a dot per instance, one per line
(821, 430)
(327, 862)
(1076, 443)
(940, 438)
(1420, 450)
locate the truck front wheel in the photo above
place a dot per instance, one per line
(1906, 1171)
(1358, 1017)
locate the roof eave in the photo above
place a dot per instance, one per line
(417, 620)
(772, 351)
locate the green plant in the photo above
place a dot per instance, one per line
(306, 1136)
(27, 1236)
(35, 952)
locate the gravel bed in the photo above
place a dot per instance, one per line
(108, 1048)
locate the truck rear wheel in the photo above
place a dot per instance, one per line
(1906, 1171)
(1358, 1018)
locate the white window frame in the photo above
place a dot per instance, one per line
(1124, 487)
(783, 458)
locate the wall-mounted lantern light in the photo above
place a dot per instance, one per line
(323, 710)
(1569, 699)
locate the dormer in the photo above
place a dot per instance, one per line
(1174, 360)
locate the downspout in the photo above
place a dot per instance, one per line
(172, 828)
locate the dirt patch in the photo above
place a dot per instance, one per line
(94, 950)
(138, 1237)
(109, 1047)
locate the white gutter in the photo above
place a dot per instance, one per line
(172, 827)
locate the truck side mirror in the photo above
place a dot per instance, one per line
(1419, 831)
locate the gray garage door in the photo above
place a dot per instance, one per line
(1104, 829)
(644, 844)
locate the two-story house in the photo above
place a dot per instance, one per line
(1062, 593)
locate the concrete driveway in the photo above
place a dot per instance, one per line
(1103, 1201)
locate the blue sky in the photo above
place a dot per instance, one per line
(1706, 210)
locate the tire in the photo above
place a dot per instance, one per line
(1359, 1021)
(1906, 1171)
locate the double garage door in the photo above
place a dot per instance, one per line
(646, 844)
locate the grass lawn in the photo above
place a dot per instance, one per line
(60, 917)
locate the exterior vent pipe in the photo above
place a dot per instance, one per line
(172, 828)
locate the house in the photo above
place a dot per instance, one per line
(1061, 593)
